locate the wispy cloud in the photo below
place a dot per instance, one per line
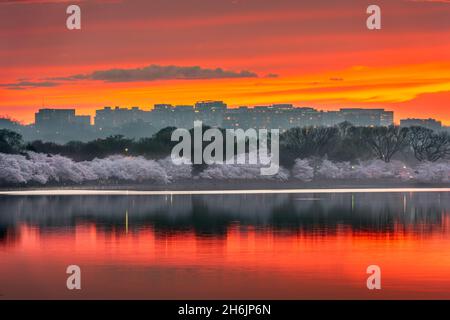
(157, 72)
(22, 85)
(336, 79)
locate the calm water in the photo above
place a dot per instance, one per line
(289, 246)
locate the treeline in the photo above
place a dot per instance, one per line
(343, 142)
(157, 146)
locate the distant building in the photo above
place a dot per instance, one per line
(426, 123)
(59, 120)
(367, 117)
(211, 113)
(65, 125)
(276, 116)
(116, 117)
(287, 116)
(332, 118)
(183, 116)
(210, 105)
(217, 114)
(9, 124)
(61, 125)
(166, 115)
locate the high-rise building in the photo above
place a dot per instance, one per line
(61, 125)
(426, 123)
(58, 120)
(367, 117)
(167, 115)
(211, 113)
(216, 113)
(116, 117)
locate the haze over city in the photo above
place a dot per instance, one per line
(62, 125)
(244, 52)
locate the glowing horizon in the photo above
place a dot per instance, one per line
(317, 54)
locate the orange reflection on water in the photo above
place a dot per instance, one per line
(244, 262)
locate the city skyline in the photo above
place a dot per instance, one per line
(62, 125)
(244, 52)
(90, 118)
(92, 114)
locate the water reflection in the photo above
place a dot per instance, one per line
(213, 214)
(289, 246)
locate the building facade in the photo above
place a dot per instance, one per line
(426, 123)
(59, 120)
(135, 122)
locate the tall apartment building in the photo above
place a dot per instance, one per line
(216, 113)
(211, 113)
(426, 123)
(116, 117)
(58, 120)
(275, 116)
(367, 117)
(60, 125)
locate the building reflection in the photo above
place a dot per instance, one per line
(213, 215)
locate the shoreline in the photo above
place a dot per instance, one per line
(201, 186)
(80, 192)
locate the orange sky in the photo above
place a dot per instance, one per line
(320, 51)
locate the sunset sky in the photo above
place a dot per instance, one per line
(245, 52)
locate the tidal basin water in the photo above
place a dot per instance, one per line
(254, 246)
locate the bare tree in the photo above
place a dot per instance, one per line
(310, 141)
(385, 142)
(428, 145)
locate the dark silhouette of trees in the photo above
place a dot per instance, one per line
(306, 142)
(79, 151)
(159, 145)
(349, 145)
(343, 142)
(10, 141)
(385, 142)
(428, 145)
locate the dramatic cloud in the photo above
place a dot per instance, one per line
(148, 73)
(156, 72)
